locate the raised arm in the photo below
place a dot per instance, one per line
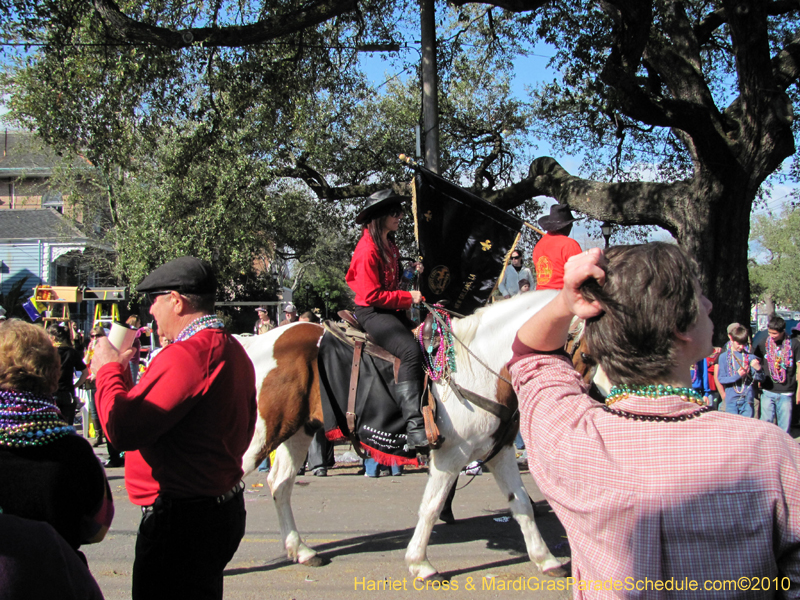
(547, 329)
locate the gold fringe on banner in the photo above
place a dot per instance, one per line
(505, 265)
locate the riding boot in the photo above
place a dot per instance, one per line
(98, 432)
(407, 394)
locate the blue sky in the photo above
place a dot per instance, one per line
(531, 70)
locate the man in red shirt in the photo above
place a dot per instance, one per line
(554, 249)
(186, 426)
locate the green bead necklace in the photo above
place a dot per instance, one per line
(620, 392)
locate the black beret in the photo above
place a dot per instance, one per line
(186, 275)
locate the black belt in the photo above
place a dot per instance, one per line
(218, 500)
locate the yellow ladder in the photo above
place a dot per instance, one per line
(99, 317)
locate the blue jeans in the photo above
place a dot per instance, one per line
(739, 405)
(372, 468)
(780, 405)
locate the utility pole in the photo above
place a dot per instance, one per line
(430, 100)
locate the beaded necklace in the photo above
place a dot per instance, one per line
(779, 359)
(734, 364)
(658, 418)
(205, 322)
(28, 419)
(443, 363)
(621, 392)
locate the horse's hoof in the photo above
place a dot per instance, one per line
(564, 570)
(447, 517)
(316, 561)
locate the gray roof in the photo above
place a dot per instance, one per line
(45, 224)
(22, 154)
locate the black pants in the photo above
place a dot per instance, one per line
(183, 547)
(391, 331)
(320, 452)
(66, 404)
(113, 454)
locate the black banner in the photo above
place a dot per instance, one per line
(463, 241)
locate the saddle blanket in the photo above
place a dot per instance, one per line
(380, 426)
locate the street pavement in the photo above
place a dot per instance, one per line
(362, 526)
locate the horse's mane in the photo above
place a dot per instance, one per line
(466, 328)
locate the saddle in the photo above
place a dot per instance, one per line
(351, 333)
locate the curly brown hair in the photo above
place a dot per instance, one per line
(28, 360)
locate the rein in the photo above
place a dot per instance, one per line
(507, 417)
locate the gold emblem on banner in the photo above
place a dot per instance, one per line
(486, 246)
(439, 279)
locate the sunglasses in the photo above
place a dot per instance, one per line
(151, 296)
(515, 257)
(396, 212)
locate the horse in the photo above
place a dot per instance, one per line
(290, 411)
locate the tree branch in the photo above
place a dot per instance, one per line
(631, 203)
(716, 19)
(270, 28)
(509, 5)
(786, 65)
(327, 193)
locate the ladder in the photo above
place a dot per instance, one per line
(107, 308)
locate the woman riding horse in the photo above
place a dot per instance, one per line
(374, 276)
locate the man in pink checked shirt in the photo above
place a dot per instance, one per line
(656, 492)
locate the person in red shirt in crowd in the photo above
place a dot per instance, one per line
(554, 249)
(185, 427)
(374, 276)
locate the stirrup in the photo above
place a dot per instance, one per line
(425, 448)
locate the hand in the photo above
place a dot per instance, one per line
(105, 353)
(416, 296)
(742, 371)
(418, 267)
(577, 270)
(756, 364)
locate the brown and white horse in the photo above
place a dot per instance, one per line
(289, 410)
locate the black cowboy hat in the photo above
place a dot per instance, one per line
(379, 201)
(559, 217)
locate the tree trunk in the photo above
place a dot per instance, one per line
(716, 232)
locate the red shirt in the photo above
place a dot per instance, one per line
(188, 422)
(549, 257)
(376, 283)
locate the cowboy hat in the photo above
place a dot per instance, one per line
(559, 217)
(377, 202)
